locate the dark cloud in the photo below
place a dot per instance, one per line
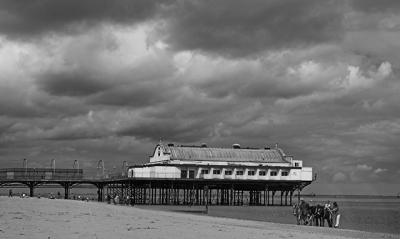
(242, 28)
(141, 94)
(372, 6)
(230, 28)
(175, 129)
(71, 83)
(261, 86)
(24, 19)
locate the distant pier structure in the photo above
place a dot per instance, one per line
(33, 177)
(202, 175)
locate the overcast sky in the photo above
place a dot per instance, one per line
(99, 79)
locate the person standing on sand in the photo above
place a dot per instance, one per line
(10, 193)
(335, 215)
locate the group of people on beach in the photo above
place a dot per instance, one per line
(317, 214)
(115, 199)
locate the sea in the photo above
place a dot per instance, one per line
(360, 212)
(364, 213)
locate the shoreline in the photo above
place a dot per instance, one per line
(43, 218)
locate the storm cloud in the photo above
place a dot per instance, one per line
(247, 28)
(33, 18)
(92, 80)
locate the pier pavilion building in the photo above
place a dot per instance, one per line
(223, 176)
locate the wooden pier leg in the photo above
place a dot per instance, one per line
(168, 195)
(174, 196)
(66, 191)
(164, 195)
(224, 199)
(156, 193)
(178, 195)
(100, 194)
(272, 197)
(159, 196)
(154, 201)
(265, 196)
(203, 193)
(231, 196)
(145, 194)
(290, 197)
(218, 196)
(149, 189)
(286, 194)
(31, 189)
(197, 195)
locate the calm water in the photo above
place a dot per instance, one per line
(373, 215)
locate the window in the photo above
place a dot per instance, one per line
(285, 173)
(191, 173)
(296, 164)
(204, 171)
(273, 173)
(251, 173)
(183, 174)
(228, 172)
(216, 171)
(262, 173)
(239, 172)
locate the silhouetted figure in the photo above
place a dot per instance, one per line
(108, 198)
(10, 193)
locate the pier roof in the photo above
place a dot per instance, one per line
(224, 154)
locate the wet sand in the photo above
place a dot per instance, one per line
(46, 218)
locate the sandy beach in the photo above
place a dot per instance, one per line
(46, 218)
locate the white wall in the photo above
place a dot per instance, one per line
(304, 174)
(154, 172)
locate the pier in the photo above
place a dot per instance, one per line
(183, 175)
(156, 191)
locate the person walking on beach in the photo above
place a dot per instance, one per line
(328, 210)
(335, 215)
(10, 193)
